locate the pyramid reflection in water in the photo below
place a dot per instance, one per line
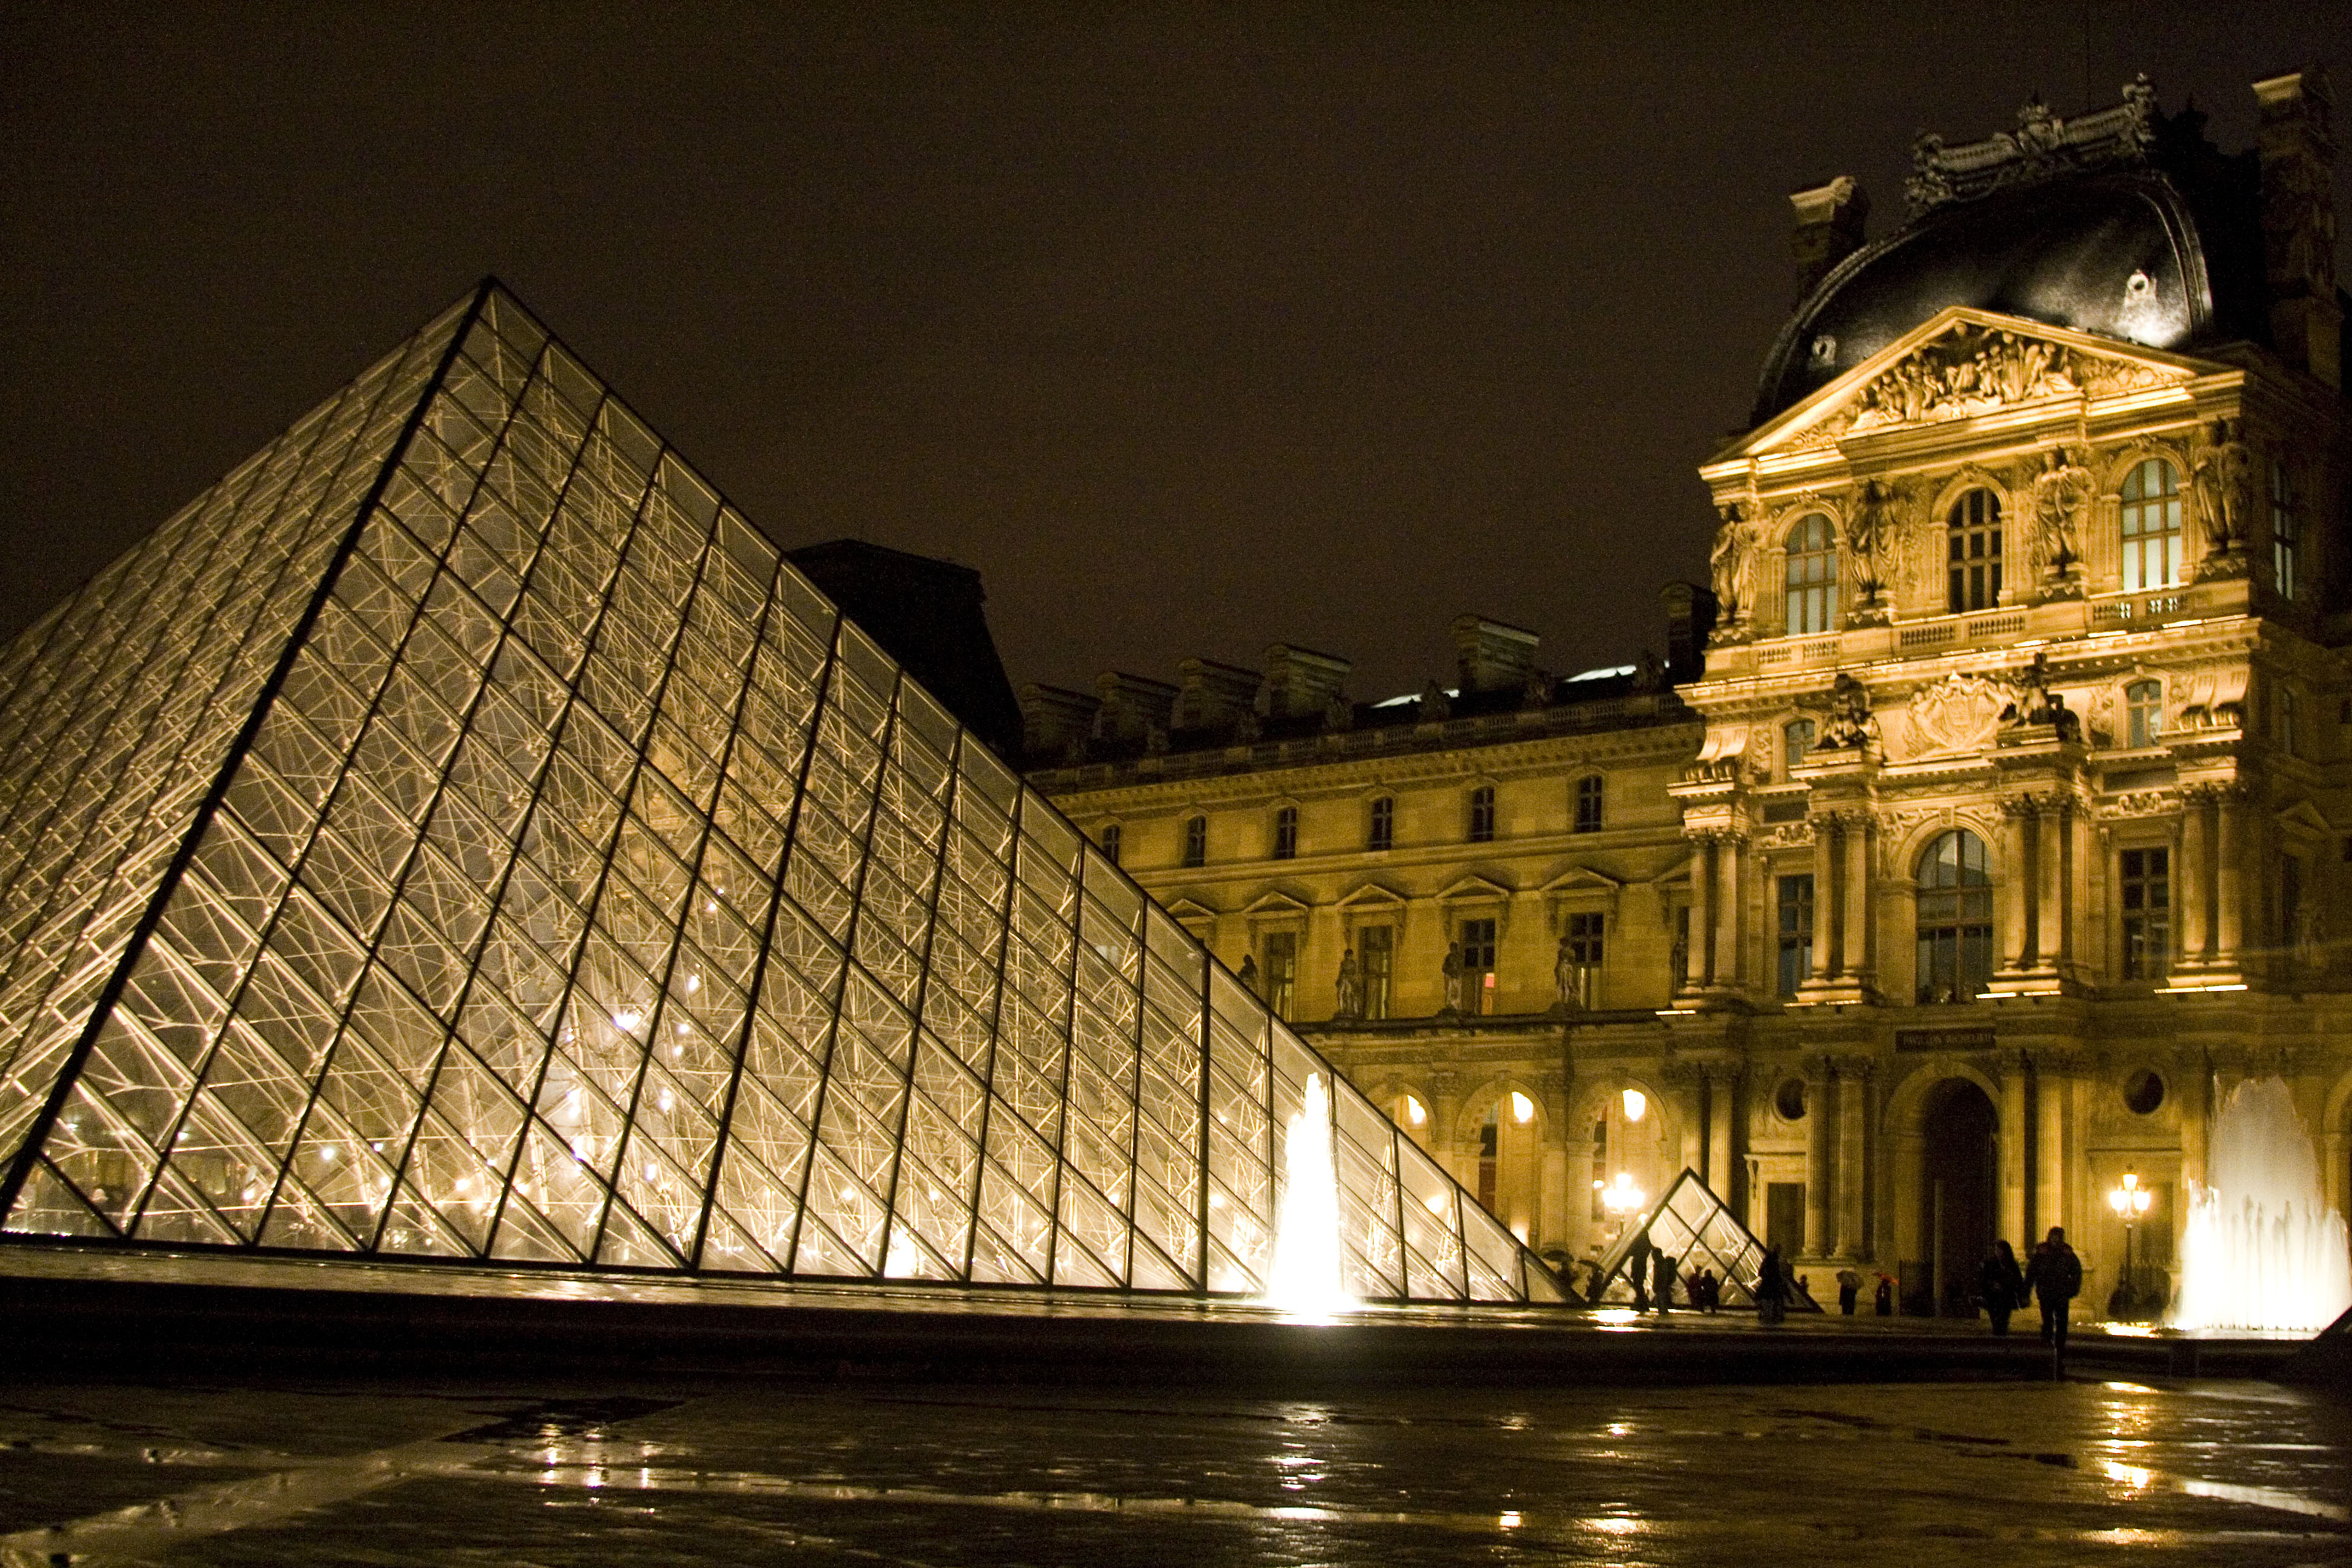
(458, 833)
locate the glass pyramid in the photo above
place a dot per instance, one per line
(458, 833)
(1698, 1230)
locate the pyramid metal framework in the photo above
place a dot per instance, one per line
(1698, 1230)
(458, 833)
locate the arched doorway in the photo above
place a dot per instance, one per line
(1959, 1187)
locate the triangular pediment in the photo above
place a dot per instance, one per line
(1475, 887)
(1583, 880)
(1277, 903)
(1372, 895)
(1962, 363)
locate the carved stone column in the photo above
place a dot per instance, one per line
(2229, 881)
(1689, 1087)
(1861, 913)
(2013, 1143)
(2055, 814)
(1819, 1153)
(2196, 877)
(1702, 917)
(1854, 1155)
(2052, 1081)
(1729, 911)
(1722, 1113)
(1444, 1107)
(1825, 965)
(2015, 936)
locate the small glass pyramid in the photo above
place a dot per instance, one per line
(458, 833)
(1698, 1230)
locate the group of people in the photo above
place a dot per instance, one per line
(1653, 1273)
(2050, 1279)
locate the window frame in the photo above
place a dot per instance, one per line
(1478, 985)
(1810, 576)
(1195, 851)
(1793, 920)
(2286, 529)
(1961, 920)
(2143, 714)
(1589, 791)
(2144, 928)
(1973, 575)
(2135, 537)
(1108, 839)
(1380, 824)
(1480, 828)
(1286, 833)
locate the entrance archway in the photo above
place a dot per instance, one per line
(1959, 1187)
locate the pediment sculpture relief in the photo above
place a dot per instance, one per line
(1974, 370)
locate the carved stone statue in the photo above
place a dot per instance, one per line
(2219, 485)
(1733, 567)
(1537, 692)
(1338, 713)
(1565, 973)
(1350, 987)
(1434, 704)
(1249, 972)
(2061, 494)
(2036, 703)
(1870, 543)
(1453, 971)
(1849, 726)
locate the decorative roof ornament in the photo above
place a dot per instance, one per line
(2044, 146)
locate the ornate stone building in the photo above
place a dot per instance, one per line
(1995, 821)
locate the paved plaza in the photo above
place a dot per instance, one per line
(623, 1472)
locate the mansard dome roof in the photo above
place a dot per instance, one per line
(2139, 238)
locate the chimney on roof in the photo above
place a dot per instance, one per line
(1690, 617)
(2298, 161)
(1829, 220)
(1055, 723)
(1492, 655)
(1211, 695)
(1133, 706)
(1299, 680)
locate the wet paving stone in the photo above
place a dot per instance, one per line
(647, 1473)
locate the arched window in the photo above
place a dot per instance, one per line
(1379, 828)
(1286, 833)
(1955, 917)
(1975, 551)
(1588, 804)
(1482, 815)
(2151, 526)
(1109, 841)
(1812, 575)
(1196, 841)
(2143, 712)
(1797, 740)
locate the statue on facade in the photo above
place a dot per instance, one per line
(1452, 971)
(1849, 727)
(1566, 979)
(1733, 566)
(2219, 487)
(1870, 546)
(1249, 972)
(1434, 704)
(1338, 713)
(1350, 987)
(1537, 691)
(1649, 673)
(2061, 496)
(2037, 703)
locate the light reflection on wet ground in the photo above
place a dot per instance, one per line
(629, 1473)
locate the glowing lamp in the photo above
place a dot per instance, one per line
(1523, 1110)
(1637, 1105)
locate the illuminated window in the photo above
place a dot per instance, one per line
(1974, 546)
(1955, 917)
(1285, 834)
(1108, 839)
(2287, 530)
(2146, 889)
(1585, 934)
(1281, 977)
(1588, 804)
(1196, 841)
(1376, 945)
(1812, 577)
(1380, 830)
(2151, 526)
(1478, 966)
(1482, 815)
(2143, 712)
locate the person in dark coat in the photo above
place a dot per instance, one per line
(1662, 1282)
(1771, 1288)
(1637, 1270)
(2002, 1285)
(1849, 1290)
(2055, 1278)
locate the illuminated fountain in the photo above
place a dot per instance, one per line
(1305, 1278)
(2263, 1250)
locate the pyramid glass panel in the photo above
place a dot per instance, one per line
(459, 835)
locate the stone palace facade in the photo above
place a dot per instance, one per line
(1990, 817)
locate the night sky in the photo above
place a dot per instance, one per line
(1193, 329)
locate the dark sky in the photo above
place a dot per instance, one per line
(1193, 329)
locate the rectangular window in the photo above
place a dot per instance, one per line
(1588, 804)
(1196, 841)
(1377, 946)
(1482, 815)
(1109, 842)
(1380, 833)
(2286, 532)
(1478, 966)
(1281, 971)
(2143, 714)
(1584, 953)
(1796, 932)
(1797, 739)
(1975, 551)
(1285, 834)
(2146, 889)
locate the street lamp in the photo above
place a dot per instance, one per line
(2129, 1201)
(1621, 1198)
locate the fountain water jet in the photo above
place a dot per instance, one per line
(1305, 1278)
(2262, 1251)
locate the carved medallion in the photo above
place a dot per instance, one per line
(1957, 714)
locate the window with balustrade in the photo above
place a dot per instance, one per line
(2151, 526)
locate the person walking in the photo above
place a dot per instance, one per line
(2056, 1276)
(1663, 1280)
(1637, 1270)
(2002, 1285)
(1771, 1288)
(1849, 1290)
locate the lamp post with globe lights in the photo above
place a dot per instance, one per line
(2130, 1201)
